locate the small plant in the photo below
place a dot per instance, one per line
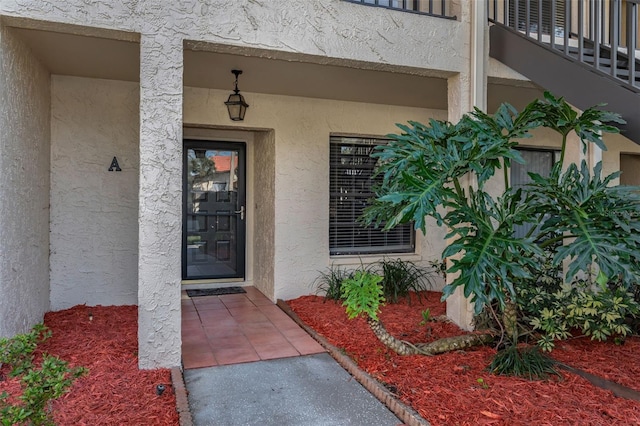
(329, 282)
(17, 352)
(596, 311)
(363, 294)
(401, 276)
(482, 383)
(40, 384)
(426, 316)
(526, 362)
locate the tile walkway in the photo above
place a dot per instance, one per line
(236, 328)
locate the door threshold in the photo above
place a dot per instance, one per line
(219, 283)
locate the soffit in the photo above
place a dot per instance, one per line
(289, 78)
(93, 57)
(82, 56)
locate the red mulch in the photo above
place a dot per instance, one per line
(114, 392)
(446, 390)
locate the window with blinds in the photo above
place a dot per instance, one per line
(351, 187)
(539, 161)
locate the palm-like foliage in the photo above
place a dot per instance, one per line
(598, 222)
(422, 171)
(485, 252)
(422, 167)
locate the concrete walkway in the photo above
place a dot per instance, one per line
(296, 391)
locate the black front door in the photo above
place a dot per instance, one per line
(213, 243)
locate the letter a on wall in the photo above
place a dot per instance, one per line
(114, 165)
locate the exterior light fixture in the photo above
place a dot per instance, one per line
(235, 104)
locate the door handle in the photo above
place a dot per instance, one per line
(240, 212)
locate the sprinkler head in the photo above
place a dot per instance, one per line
(159, 389)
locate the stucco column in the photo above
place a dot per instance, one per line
(595, 155)
(160, 201)
(573, 153)
(466, 90)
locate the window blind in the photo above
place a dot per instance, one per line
(351, 188)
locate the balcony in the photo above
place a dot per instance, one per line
(437, 8)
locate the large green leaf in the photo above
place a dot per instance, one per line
(415, 167)
(487, 256)
(421, 166)
(589, 126)
(599, 222)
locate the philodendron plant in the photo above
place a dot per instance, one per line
(593, 223)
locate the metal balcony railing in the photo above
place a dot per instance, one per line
(437, 8)
(601, 34)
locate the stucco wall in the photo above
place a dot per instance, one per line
(160, 201)
(94, 212)
(301, 128)
(321, 31)
(264, 211)
(616, 145)
(324, 32)
(24, 187)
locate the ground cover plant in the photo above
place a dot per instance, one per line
(40, 383)
(456, 388)
(113, 391)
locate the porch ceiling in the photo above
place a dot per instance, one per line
(82, 56)
(279, 77)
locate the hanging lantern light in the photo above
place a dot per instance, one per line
(236, 105)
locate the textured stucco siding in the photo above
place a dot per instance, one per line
(302, 182)
(299, 164)
(290, 238)
(24, 187)
(264, 212)
(94, 212)
(160, 202)
(321, 31)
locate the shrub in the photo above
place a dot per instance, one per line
(17, 352)
(402, 276)
(399, 277)
(526, 362)
(40, 384)
(599, 312)
(329, 282)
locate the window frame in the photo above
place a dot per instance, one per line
(349, 193)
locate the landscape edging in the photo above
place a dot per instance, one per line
(408, 415)
(182, 402)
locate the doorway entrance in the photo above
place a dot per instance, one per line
(214, 210)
